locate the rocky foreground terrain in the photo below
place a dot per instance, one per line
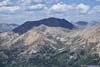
(45, 45)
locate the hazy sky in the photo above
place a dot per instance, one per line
(19, 11)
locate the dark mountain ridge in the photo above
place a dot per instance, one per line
(51, 22)
(82, 23)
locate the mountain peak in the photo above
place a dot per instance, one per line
(51, 22)
(53, 18)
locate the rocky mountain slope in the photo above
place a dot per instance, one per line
(49, 46)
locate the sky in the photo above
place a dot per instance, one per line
(20, 11)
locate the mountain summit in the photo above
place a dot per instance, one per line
(51, 22)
